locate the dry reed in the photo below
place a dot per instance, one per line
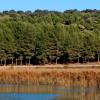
(59, 77)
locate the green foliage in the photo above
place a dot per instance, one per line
(50, 37)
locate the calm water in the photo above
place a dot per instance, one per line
(12, 92)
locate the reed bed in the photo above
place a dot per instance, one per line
(59, 77)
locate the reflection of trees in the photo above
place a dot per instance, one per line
(66, 93)
(83, 94)
(29, 89)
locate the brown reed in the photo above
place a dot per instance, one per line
(59, 77)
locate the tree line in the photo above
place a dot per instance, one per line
(46, 37)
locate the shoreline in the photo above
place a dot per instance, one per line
(69, 65)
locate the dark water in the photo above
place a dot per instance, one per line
(14, 92)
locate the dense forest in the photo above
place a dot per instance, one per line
(46, 37)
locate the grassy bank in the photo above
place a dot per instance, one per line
(43, 76)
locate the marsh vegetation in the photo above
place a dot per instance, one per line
(53, 77)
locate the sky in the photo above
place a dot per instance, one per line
(58, 5)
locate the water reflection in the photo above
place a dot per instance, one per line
(16, 92)
(80, 94)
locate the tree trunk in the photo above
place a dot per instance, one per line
(85, 60)
(1, 62)
(26, 62)
(56, 60)
(16, 62)
(29, 61)
(78, 59)
(98, 57)
(21, 61)
(12, 61)
(5, 62)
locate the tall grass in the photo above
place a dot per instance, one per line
(59, 77)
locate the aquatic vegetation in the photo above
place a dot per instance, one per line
(58, 77)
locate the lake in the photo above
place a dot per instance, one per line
(16, 92)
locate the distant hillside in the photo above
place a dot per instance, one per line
(43, 37)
